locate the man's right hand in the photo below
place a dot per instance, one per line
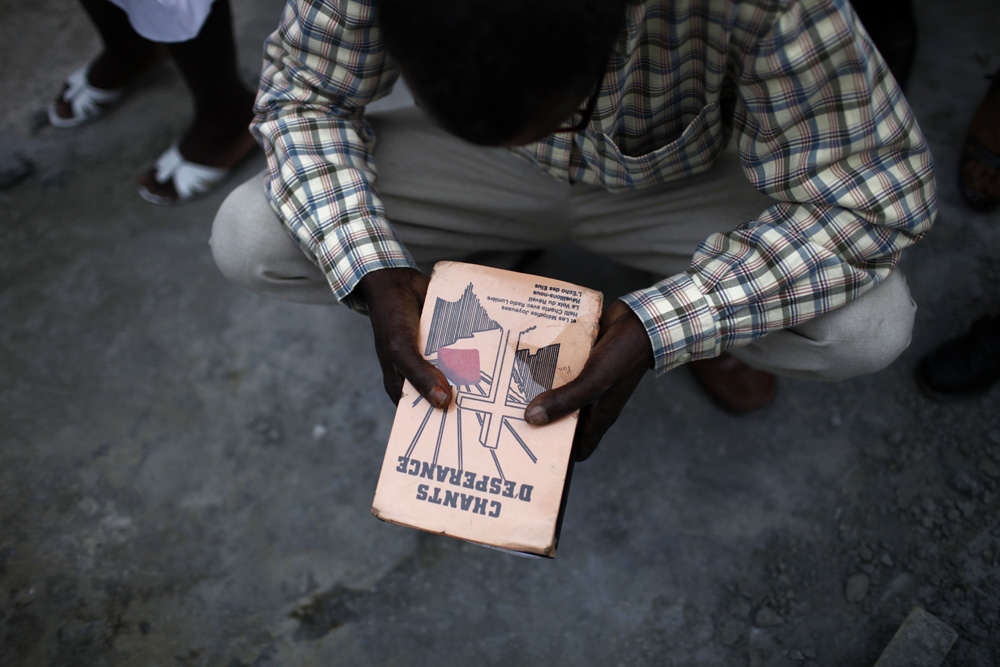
(395, 298)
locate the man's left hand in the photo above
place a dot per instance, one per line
(620, 358)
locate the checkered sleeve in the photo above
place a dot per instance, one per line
(823, 129)
(322, 65)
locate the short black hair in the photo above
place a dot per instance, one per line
(484, 68)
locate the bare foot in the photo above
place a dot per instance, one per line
(979, 173)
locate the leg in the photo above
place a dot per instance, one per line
(862, 337)
(659, 230)
(253, 250)
(223, 106)
(219, 136)
(447, 199)
(126, 55)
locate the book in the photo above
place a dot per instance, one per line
(478, 471)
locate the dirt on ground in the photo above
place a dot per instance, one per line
(186, 469)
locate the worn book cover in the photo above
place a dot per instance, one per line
(477, 471)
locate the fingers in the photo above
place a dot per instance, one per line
(599, 416)
(398, 339)
(405, 358)
(398, 366)
(618, 362)
(392, 379)
(594, 380)
(623, 349)
(395, 298)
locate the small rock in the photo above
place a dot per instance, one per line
(963, 483)
(750, 590)
(894, 437)
(319, 432)
(740, 608)
(14, 168)
(989, 468)
(922, 639)
(730, 632)
(886, 559)
(857, 588)
(268, 429)
(878, 451)
(768, 618)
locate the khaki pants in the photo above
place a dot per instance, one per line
(448, 199)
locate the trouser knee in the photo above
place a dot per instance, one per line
(862, 337)
(868, 334)
(253, 250)
(233, 249)
(870, 349)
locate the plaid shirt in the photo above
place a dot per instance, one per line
(820, 125)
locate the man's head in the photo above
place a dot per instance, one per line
(504, 72)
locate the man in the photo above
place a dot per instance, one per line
(606, 124)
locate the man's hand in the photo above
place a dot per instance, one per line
(620, 358)
(395, 298)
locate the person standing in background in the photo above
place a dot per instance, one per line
(198, 36)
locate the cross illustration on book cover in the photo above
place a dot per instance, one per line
(494, 381)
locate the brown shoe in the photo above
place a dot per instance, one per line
(733, 385)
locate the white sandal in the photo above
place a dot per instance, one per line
(87, 102)
(190, 180)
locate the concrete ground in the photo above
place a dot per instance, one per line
(186, 469)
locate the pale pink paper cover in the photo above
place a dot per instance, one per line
(478, 471)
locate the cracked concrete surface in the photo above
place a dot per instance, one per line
(186, 469)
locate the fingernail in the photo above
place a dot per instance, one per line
(536, 416)
(439, 397)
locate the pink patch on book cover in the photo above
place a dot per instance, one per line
(461, 367)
